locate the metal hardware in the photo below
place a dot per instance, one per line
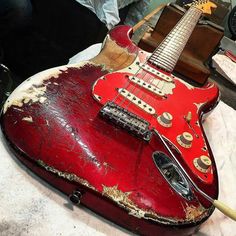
(126, 120)
(148, 86)
(153, 71)
(75, 197)
(183, 171)
(173, 175)
(136, 101)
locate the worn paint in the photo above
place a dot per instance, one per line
(122, 198)
(65, 175)
(199, 105)
(193, 213)
(33, 89)
(28, 119)
(189, 86)
(121, 57)
(69, 139)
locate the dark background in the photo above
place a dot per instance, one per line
(59, 29)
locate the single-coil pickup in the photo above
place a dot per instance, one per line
(157, 73)
(144, 84)
(137, 101)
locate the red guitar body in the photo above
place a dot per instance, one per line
(53, 123)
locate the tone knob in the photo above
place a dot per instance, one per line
(202, 163)
(185, 139)
(165, 119)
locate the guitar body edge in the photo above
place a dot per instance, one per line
(52, 123)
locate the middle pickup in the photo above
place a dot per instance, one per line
(136, 100)
(147, 85)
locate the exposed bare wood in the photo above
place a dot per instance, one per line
(113, 56)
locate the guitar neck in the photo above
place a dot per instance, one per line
(168, 52)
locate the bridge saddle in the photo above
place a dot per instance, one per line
(126, 120)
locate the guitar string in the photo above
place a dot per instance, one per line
(128, 82)
(126, 87)
(143, 93)
(135, 87)
(161, 50)
(182, 21)
(124, 98)
(153, 77)
(139, 88)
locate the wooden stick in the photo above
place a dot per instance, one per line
(147, 17)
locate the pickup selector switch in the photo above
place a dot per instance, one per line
(185, 139)
(202, 163)
(165, 119)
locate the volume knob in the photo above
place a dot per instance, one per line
(185, 139)
(202, 163)
(165, 119)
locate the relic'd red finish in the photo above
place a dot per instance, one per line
(52, 122)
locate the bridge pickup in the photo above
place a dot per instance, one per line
(144, 84)
(126, 120)
(137, 101)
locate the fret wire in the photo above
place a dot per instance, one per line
(166, 52)
(170, 43)
(165, 55)
(173, 45)
(170, 48)
(161, 62)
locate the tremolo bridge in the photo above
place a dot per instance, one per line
(126, 120)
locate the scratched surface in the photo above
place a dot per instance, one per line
(51, 117)
(29, 206)
(37, 215)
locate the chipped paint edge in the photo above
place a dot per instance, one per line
(33, 89)
(65, 175)
(122, 199)
(28, 119)
(199, 105)
(124, 49)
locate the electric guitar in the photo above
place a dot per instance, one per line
(121, 134)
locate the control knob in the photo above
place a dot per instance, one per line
(165, 119)
(202, 163)
(185, 139)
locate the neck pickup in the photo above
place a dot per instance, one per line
(127, 120)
